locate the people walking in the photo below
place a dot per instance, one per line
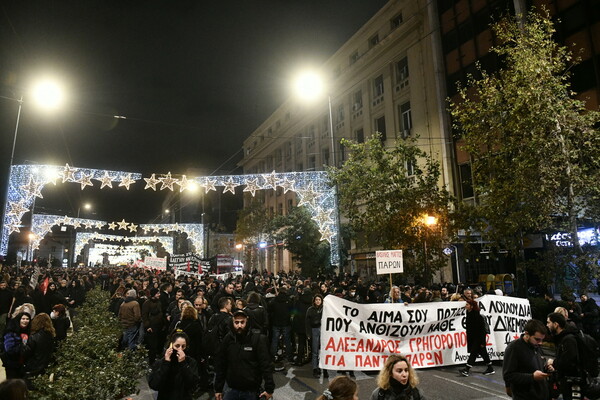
(476, 339)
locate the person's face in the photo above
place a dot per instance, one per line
(536, 339)
(239, 305)
(400, 372)
(552, 326)
(468, 294)
(238, 287)
(468, 307)
(178, 295)
(372, 287)
(229, 289)
(24, 321)
(444, 291)
(157, 295)
(396, 293)
(63, 283)
(180, 303)
(179, 344)
(323, 288)
(318, 301)
(584, 298)
(228, 306)
(3, 285)
(198, 304)
(239, 324)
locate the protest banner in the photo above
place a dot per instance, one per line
(389, 261)
(156, 263)
(361, 336)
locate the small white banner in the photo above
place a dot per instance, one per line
(389, 261)
(362, 336)
(156, 263)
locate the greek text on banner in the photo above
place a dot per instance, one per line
(361, 336)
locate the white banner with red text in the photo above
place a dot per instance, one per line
(361, 336)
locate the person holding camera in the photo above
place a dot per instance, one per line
(175, 376)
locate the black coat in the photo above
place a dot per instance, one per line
(244, 362)
(280, 311)
(38, 352)
(61, 326)
(475, 327)
(521, 360)
(193, 328)
(174, 380)
(301, 306)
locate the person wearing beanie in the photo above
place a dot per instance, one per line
(130, 317)
(153, 320)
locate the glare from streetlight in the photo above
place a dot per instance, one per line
(239, 246)
(48, 94)
(87, 206)
(429, 220)
(309, 86)
(167, 211)
(193, 187)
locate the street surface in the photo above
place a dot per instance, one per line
(297, 383)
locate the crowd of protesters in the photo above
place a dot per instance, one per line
(188, 317)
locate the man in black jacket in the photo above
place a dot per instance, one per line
(281, 324)
(523, 367)
(243, 363)
(567, 363)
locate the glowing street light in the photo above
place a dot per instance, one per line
(85, 206)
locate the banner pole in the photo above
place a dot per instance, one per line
(391, 282)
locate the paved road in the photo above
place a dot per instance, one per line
(297, 383)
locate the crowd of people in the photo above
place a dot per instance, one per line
(208, 334)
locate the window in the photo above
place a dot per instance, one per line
(354, 57)
(402, 70)
(326, 156)
(290, 205)
(340, 113)
(279, 208)
(466, 180)
(360, 135)
(373, 40)
(311, 163)
(288, 149)
(378, 86)
(357, 100)
(410, 166)
(342, 153)
(396, 21)
(405, 119)
(380, 127)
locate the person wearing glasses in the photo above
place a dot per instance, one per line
(524, 366)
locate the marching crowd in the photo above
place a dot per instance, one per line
(206, 334)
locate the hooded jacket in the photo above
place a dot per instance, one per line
(280, 310)
(129, 313)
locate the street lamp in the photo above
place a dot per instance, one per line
(428, 221)
(309, 86)
(86, 206)
(45, 94)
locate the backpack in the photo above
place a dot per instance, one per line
(589, 352)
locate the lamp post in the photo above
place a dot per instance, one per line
(454, 250)
(428, 221)
(46, 94)
(309, 86)
(86, 206)
(239, 248)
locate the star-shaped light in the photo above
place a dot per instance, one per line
(287, 185)
(156, 228)
(132, 227)
(229, 186)
(123, 224)
(67, 220)
(326, 234)
(51, 175)
(106, 180)
(270, 180)
(151, 182)
(17, 208)
(13, 228)
(85, 180)
(126, 181)
(88, 224)
(46, 227)
(76, 224)
(146, 229)
(112, 226)
(183, 183)
(252, 186)
(210, 185)
(323, 217)
(99, 224)
(33, 188)
(167, 182)
(308, 195)
(68, 173)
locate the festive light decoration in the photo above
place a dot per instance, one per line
(83, 238)
(27, 181)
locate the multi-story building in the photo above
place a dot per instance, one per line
(386, 78)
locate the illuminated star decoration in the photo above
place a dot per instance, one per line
(252, 186)
(17, 208)
(85, 180)
(76, 224)
(126, 181)
(112, 226)
(123, 224)
(51, 176)
(183, 183)
(151, 182)
(167, 182)
(132, 227)
(66, 220)
(327, 234)
(323, 217)
(88, 224)
(13, 228)
(46, 227)
(210, 185)
(33, 188)
(99, 224)
(308, 196)
(270, 181)
(287, 185)
(106, 180)
(68, 173)
(229, 186)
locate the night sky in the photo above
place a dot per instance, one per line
(193, 78)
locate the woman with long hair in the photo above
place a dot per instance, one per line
(60, 321)
(476, 335)
(15, 336)
(340, 388)
(40, 346)
(397, 380)
(313, 332)
(175, 376)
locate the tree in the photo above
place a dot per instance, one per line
(386, 192)
(301, 237)
(253, 225)
(534, 147)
